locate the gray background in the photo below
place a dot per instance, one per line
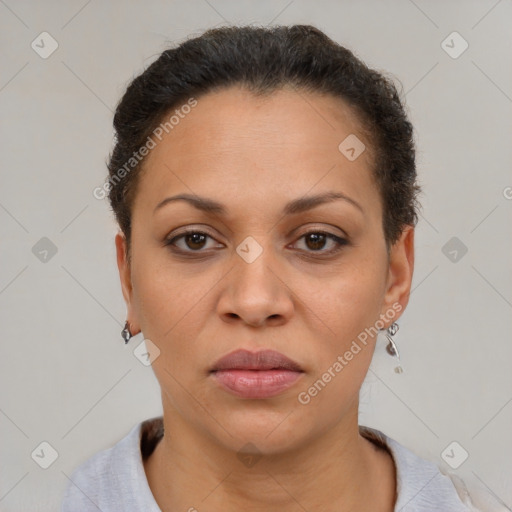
(66, 376)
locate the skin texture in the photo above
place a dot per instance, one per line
(254, 155)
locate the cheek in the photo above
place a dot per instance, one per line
(173, 303)
(346, 312)
(342, 359)
(172, 307)
(347, 303)
(164, 292)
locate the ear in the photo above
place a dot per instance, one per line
(400, 271)
(126, 281)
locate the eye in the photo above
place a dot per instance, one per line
(194, 240)
(315, 241)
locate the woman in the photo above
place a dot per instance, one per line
(264, 183)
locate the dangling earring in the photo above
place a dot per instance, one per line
(126, 333)
(391, 347)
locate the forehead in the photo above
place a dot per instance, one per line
(237, 118)
(236, 144)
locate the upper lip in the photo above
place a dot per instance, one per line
(262, 360)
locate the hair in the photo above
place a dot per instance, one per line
(264, 60)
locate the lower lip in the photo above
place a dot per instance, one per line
(256, 383)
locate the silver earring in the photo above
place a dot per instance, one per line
(391, 347)
(126, 333)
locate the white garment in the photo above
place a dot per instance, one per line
(114, 480)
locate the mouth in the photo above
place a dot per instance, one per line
(261, 374)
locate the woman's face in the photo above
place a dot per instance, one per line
(251, 279)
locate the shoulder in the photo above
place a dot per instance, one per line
(113, 479)
(421, 486)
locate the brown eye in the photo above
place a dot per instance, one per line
(315, 241)
(195, 240)
(191, 241)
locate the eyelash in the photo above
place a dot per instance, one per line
(340, 242)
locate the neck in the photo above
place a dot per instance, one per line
(338, 470)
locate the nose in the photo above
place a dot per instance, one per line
(256, 293)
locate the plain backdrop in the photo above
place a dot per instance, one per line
(66, 378)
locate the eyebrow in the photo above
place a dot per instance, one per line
(293, 207)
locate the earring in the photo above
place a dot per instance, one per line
(391, 347)
(126, 333)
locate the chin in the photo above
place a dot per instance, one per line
(271, 432)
